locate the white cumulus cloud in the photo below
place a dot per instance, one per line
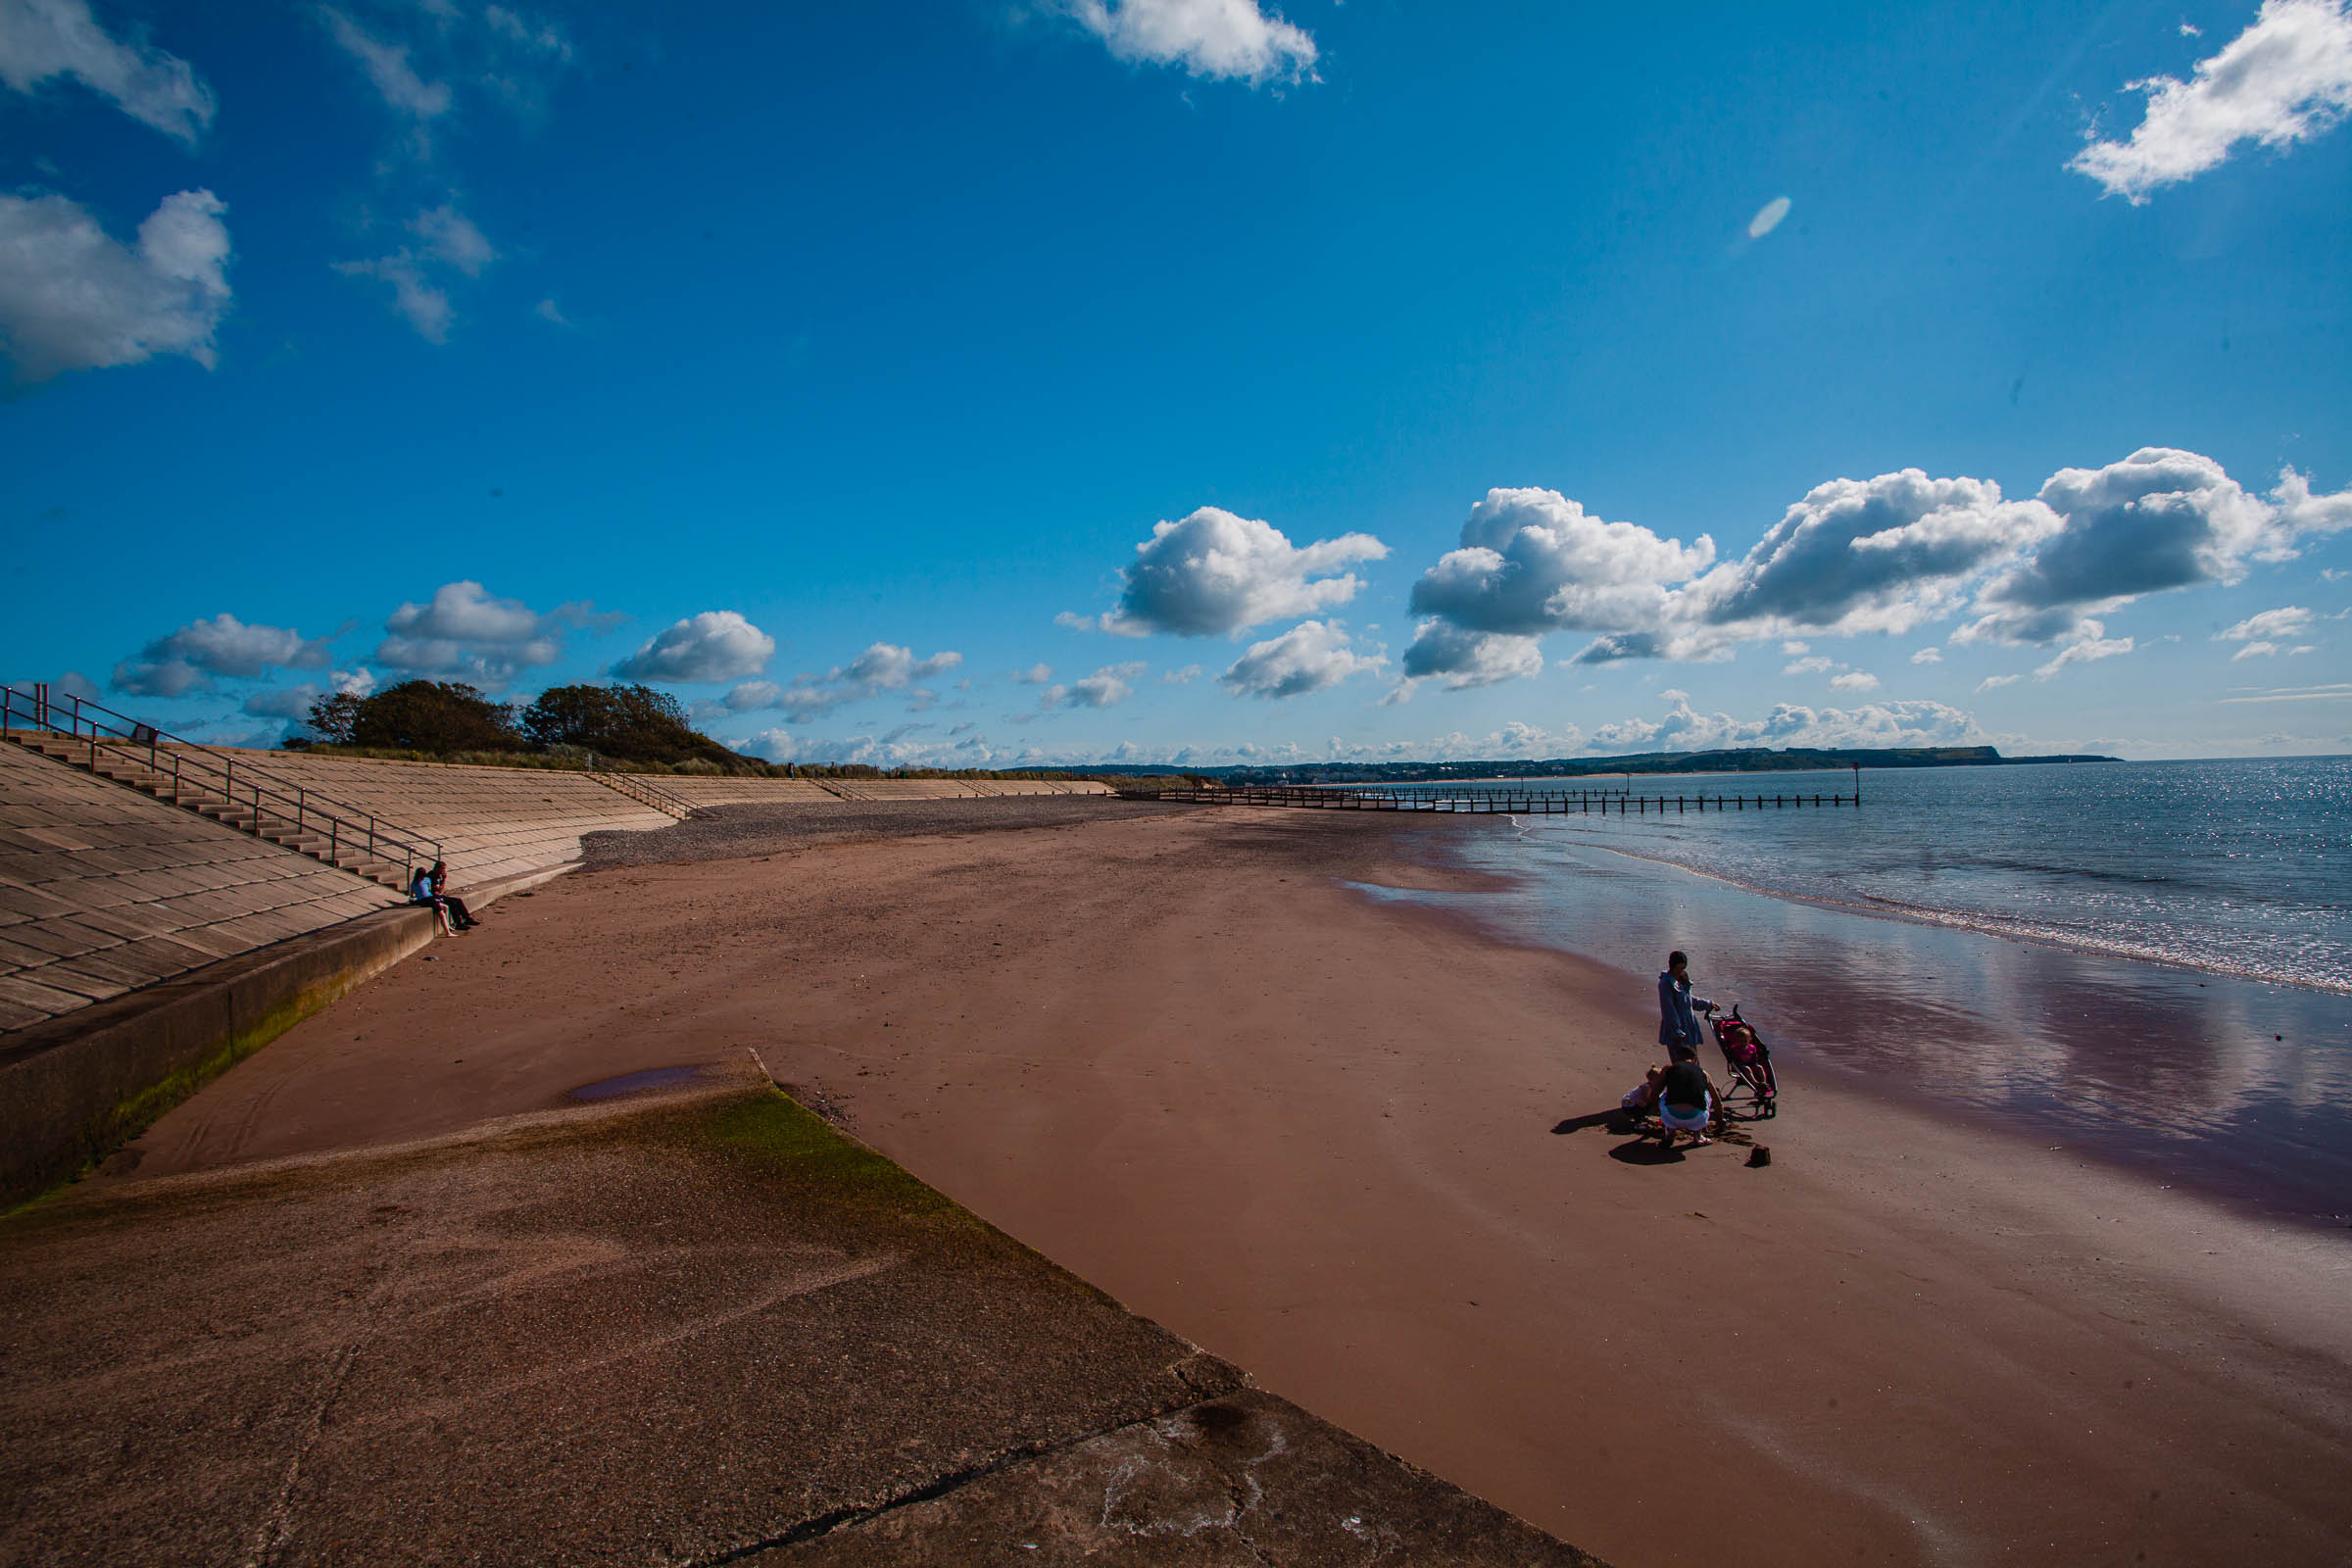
(1311, 657)
(1682, 729)
(1856, 680)
(191, 657)
(1882, 555)
(42, 39)
(2159, 520)
(1106, 687)
(1873, 555)
(294, 701)
(73, 299)
(1215, 574)
(714, 645)
(1465, 659)
(2285, 79)
(1235, 39)
(463, 631)
(1533, 560)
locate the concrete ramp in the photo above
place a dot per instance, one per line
(705, 1331)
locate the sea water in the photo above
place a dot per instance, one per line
(2150, 960)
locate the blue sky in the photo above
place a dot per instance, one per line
(983, 382)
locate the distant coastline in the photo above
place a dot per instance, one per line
(1747, 760)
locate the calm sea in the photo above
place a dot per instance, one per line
(2149, 959)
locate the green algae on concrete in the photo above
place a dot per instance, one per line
(775, 1133)
(76, 1089)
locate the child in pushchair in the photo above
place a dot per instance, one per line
(1750, 1094)
(1753, 1094)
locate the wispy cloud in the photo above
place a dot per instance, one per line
(41, 40)
(445, 241)
(884, 667)
(2335, 692)
(396, 81)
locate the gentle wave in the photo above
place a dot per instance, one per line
(2225, 867)
(2012, 928)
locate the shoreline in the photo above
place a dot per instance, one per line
(1314, 1131)
(1950, 920)
(2187, 1112)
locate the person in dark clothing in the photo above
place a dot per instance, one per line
(450, 904)
(421, 890)
(1687, 1101)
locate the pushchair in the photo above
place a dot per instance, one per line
(1750, 1093)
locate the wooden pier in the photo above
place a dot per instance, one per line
(1498, 802)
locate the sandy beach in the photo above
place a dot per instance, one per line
(1337, 1139)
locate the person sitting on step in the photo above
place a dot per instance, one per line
(421, 890)
(451, 904)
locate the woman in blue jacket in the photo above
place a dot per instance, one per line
(1678, 1009)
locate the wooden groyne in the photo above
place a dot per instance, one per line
(1498, 802)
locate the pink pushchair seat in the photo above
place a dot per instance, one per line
(1751, 1093)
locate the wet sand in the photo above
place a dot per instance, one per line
(1338, 1139)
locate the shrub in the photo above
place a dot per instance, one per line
(423, 715)
(631, 723)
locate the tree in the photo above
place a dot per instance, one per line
(631, 723)
(430, 716)
(333, 718)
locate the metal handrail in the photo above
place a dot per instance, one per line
(165, 753)
(635, 787)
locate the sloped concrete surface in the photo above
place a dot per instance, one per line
(1246, 1481)
(104, 890)
(493, 823)
(692, 1330)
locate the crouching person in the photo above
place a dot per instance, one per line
(1687, 1101)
